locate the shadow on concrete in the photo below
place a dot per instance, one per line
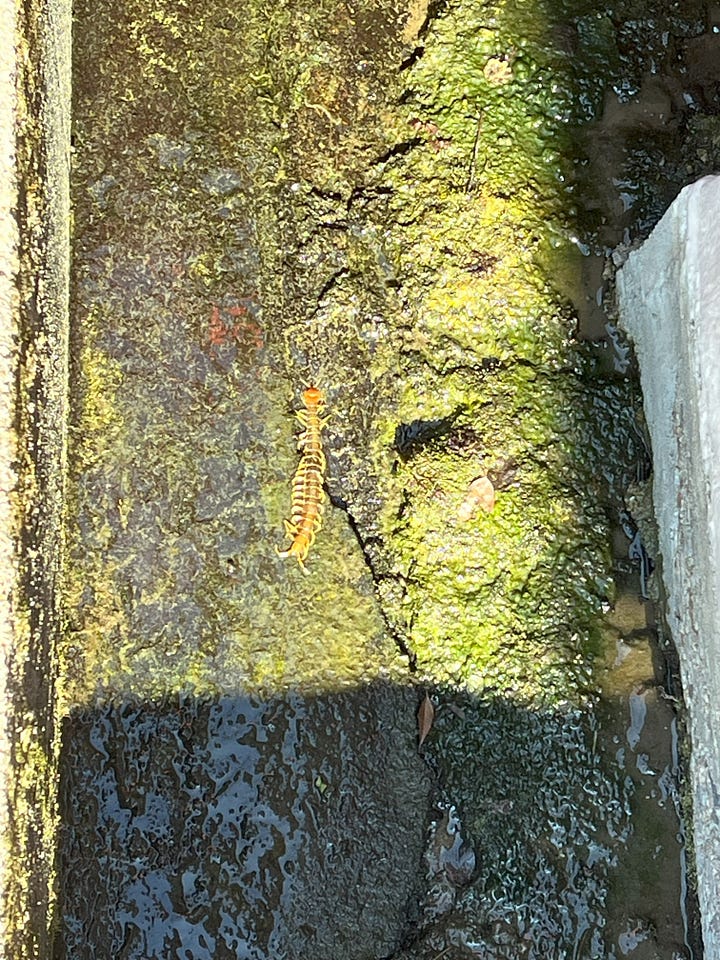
(312, 826)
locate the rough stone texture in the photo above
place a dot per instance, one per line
(292, 827)
(669, 299)
(8, 310)
(34, 231)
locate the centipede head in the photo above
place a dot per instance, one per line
(313, 397)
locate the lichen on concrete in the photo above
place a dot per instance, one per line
(35, 94)
(471, 349)
(382, 206)
(183, 451)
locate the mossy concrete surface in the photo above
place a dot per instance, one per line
(34, 271)
(384, 202)
(271, 202)
(184, 426)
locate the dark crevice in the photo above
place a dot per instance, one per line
(397, 150)
(327, 195)
(411, 59)
(366, 544)
(327, 287)
(411, 438)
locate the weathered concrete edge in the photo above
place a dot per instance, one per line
(8, 323)
(34, 285)
(669, 304)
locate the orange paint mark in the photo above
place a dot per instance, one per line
(223, 328)
(217, 334)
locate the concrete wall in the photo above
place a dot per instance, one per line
(34, 234)
(8, 313)
(669, 300)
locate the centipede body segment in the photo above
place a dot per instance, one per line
(307, 488)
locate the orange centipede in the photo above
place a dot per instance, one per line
(307, 488)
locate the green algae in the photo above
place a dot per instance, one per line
(386, 209)
(511, 602)
(391, 236)
(515, 587)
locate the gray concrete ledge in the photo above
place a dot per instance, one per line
(669, 302)
(8, 315)
(34, 283)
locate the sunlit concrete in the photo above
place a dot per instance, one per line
(8, 311)
(669, 301)
(34, 277)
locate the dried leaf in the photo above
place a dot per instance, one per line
(426, 715)
(480, 496)
(498, 70)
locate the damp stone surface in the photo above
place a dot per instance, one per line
(386, 203)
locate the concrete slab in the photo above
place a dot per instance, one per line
(669, 302)
(8, 313)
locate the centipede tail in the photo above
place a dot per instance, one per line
(307, 487)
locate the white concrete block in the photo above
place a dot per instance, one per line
(669, 301)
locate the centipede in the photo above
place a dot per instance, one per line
(307, 487)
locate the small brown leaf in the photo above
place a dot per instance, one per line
(425, 716)
(498, 70)
(480, 495)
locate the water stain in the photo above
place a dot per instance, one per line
(643, 901)
(215, 829)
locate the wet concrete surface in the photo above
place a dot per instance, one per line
(581, 855)
(241, 775)
(313, 826)
(244, 828)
